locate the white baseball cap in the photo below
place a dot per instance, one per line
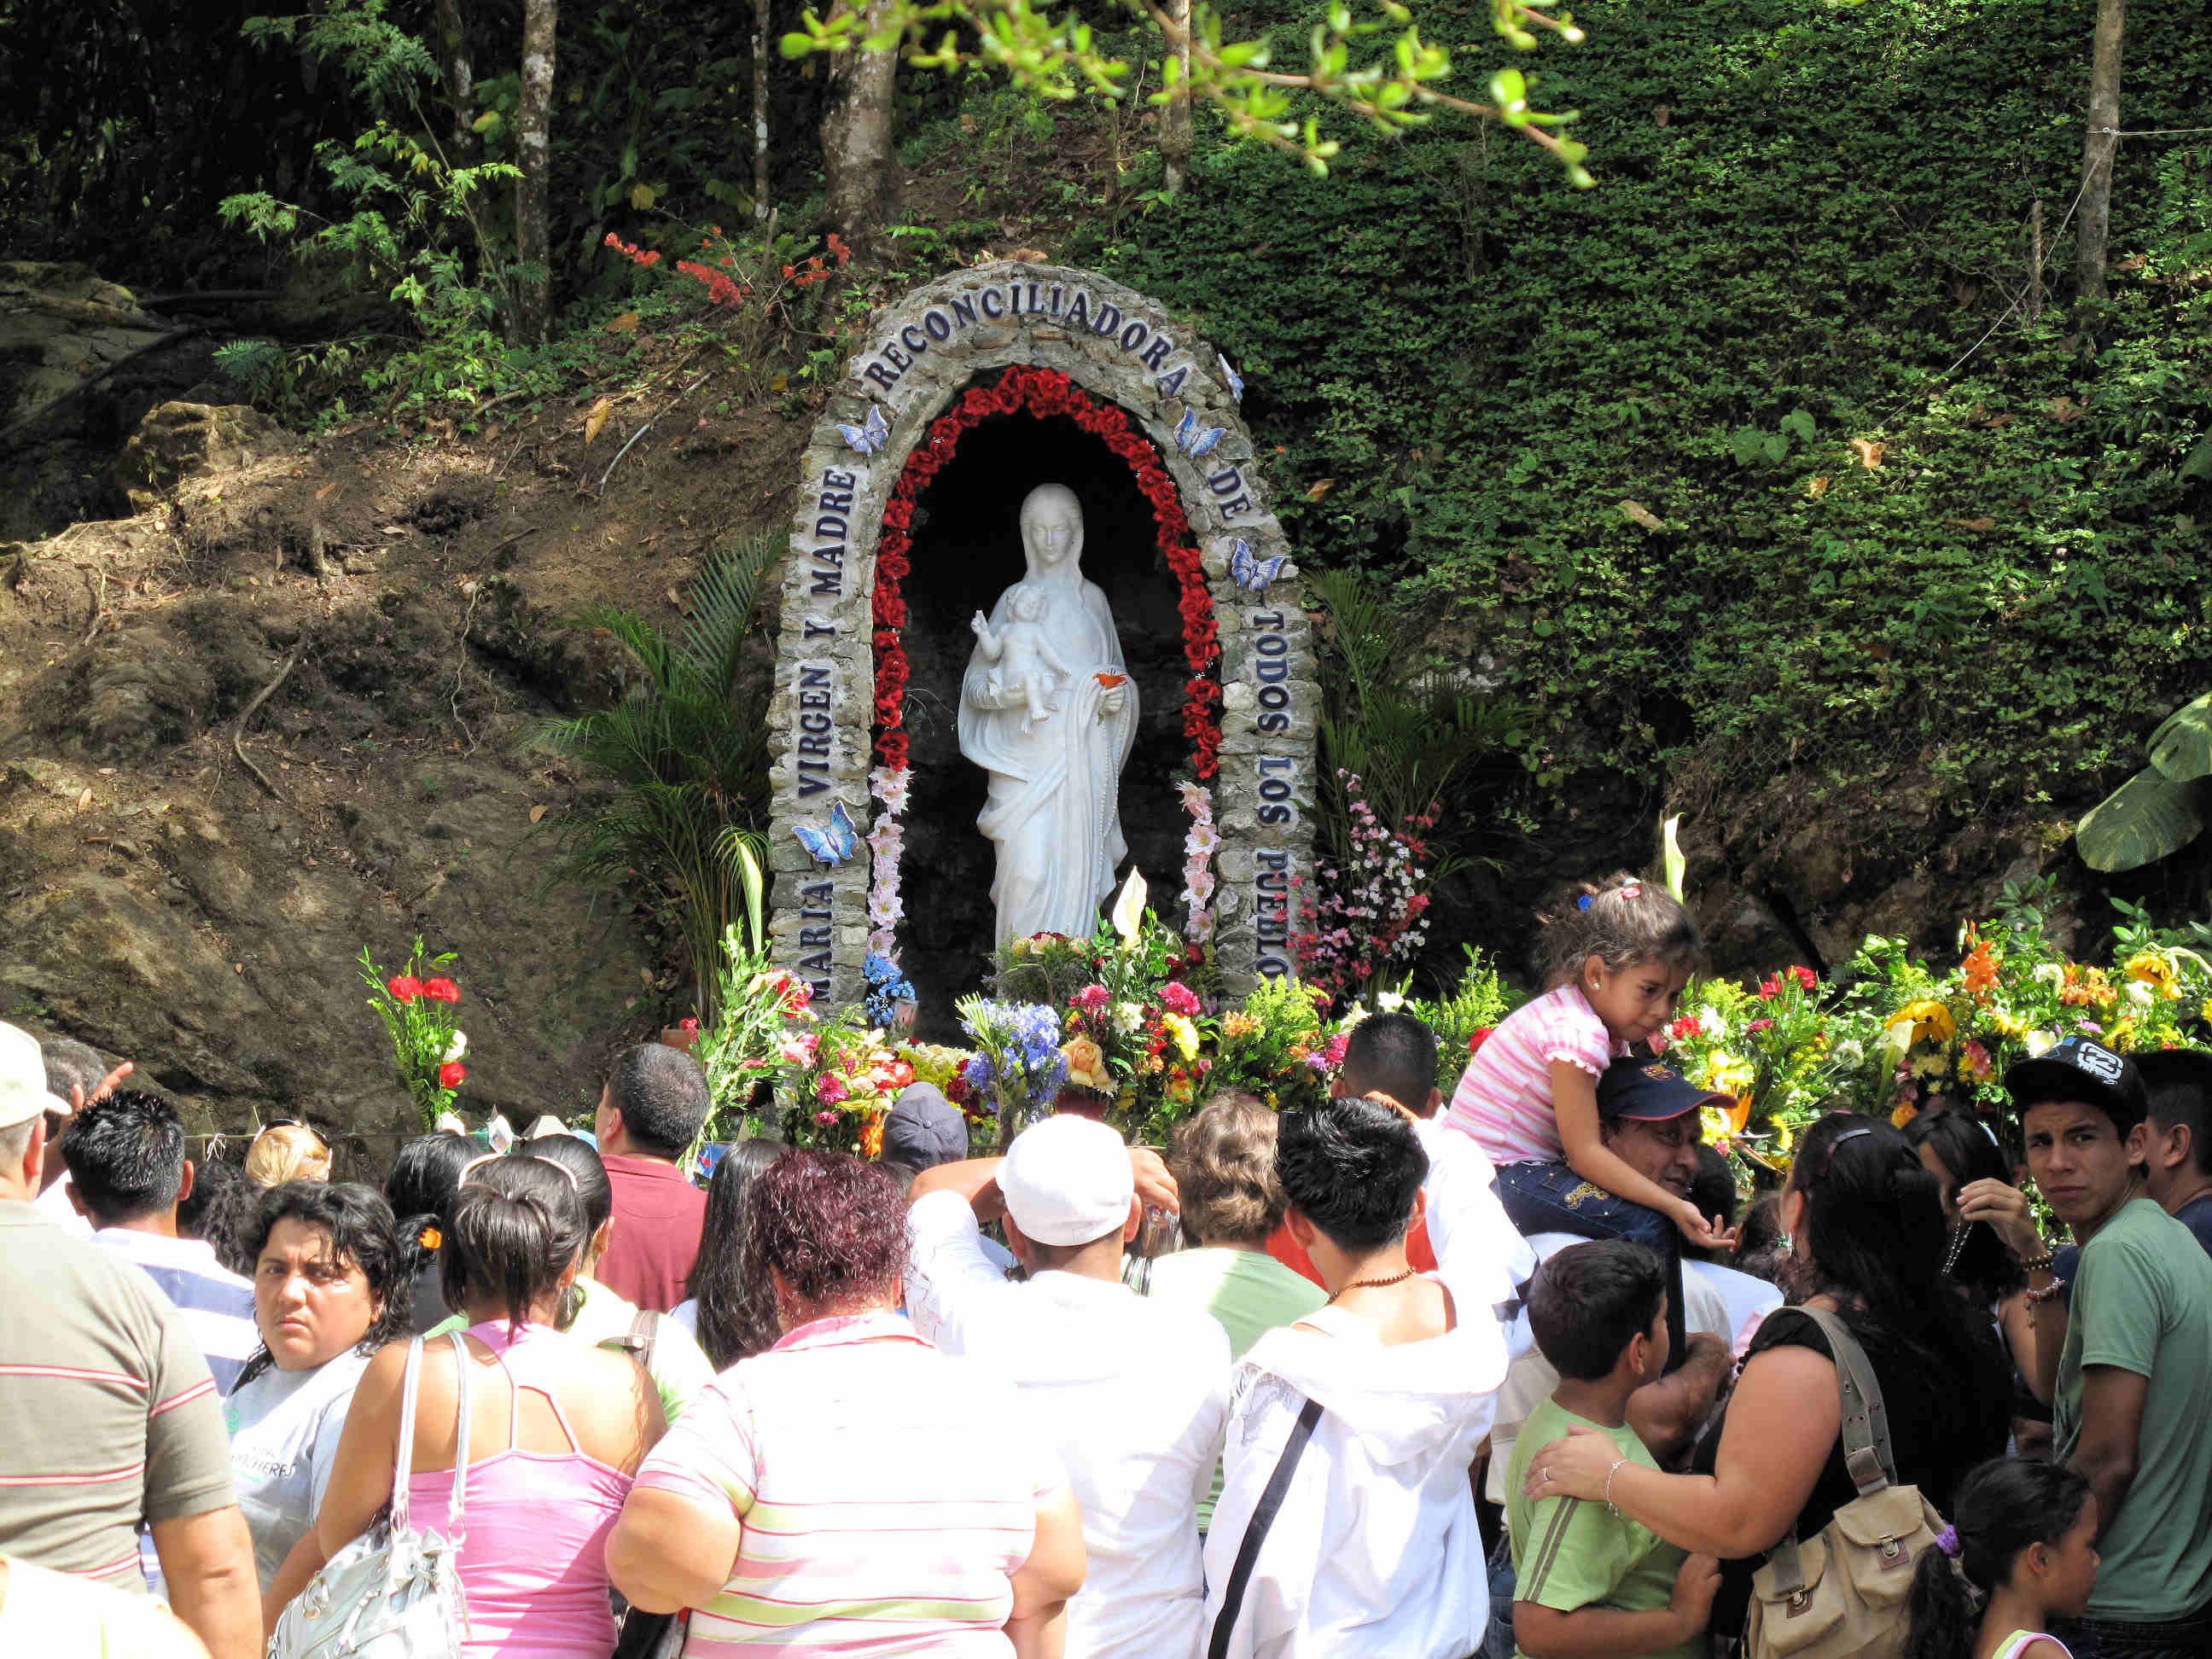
(1067, 1181)
(22, 1078)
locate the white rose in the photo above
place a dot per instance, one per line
(1128, 1015)
(2139, 994)
(2037, 1042)
(456, 1048)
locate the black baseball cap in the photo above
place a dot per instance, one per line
(2075, 1068)
(1651, 1091)
(923, 1129)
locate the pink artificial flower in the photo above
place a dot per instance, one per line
(1178, 998)
(1091, 997)
(799, 1050)
(825, 1119)
(831, 1089)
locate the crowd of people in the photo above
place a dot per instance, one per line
(1519, 1375)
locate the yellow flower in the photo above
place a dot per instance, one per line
(2123, 1036)
(1178, 1026)
(1237, 1027)
(2156, 971)
(1717, 1125)
(1927, 1018)
(2004, 1024)
(1783, 1138)
(1904, 1115)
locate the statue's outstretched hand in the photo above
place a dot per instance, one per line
(979, 624)
(1115, 701)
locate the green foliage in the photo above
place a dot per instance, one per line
(1477, 1003)
(2159, 811)
(1803, 208)
(1390, 87)
(1407, 729)
(678, 767)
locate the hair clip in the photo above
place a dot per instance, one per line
(1583, 902)
(1948, 1542)
(1632, 891)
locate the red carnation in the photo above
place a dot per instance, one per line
(1481, 1036)
(1805, 977)
(405, 988)
(441, 990)
(453, 1074)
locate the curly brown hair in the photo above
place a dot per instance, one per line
(1224, 1163)
(1622, 919)
(834, 1226)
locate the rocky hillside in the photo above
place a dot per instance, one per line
(277, 715)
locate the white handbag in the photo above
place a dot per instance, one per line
(393, 1593)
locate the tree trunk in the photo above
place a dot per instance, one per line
(533, 286)
(856, 133)
(2098, 149)
(762, 24)
(453, 70)
(1176, 135)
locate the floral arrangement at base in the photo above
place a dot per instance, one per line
(1367, 912)
(1018, 1065)
(1276, 1047)
(839, 1100)
(416, 1008)
(764, 1035)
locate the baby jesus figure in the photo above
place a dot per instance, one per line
(1021, 653)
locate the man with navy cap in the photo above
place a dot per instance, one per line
(2133, 1376)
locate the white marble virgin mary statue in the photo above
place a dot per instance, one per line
(1055, 770)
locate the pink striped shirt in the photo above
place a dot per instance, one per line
(886, 1491)
(1504, 1097)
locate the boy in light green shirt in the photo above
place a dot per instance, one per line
(1589, 1584)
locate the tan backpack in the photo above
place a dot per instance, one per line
(1843, 1594)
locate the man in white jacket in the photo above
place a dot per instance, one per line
(1372, 1549)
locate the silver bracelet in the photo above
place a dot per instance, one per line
(1609, 1474)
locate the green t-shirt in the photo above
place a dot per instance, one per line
(1250, 1293)
(680, 1366)
(1568, 1554)
(2142, 1302)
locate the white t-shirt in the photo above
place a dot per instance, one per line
(284, 1430)
(54, 1205)
(56, 1615)
(1131, 1393)
(1716, 1301)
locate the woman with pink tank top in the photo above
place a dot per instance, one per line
(556, 1428)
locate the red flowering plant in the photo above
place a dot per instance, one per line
(1043, 394)
(416, 1006)
(763, 1037)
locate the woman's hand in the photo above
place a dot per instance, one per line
(2006, 1210)
(1575, 1466)
(1700, 1229)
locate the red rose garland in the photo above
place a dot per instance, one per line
(1043, 392)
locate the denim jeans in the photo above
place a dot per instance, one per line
(1498, 1643)
(1551, 1198)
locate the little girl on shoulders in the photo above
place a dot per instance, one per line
(1616, 955)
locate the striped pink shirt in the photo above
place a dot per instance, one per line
(887, 1493)
(1504, 1097)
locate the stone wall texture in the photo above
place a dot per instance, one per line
(1119, 347)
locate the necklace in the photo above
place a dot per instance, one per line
(1958, 1235)
(1374, 1284)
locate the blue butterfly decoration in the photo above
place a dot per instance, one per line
(834, 844)
(1235, 381)
(869, 436)
(1253, 574)
(1195, 441)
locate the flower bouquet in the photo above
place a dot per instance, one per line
(840, 1097)
(1770, 1050)
(1471, 1011)
(416, 1007)
(1018, 1063)
(1275, 1046)
(763, 1036)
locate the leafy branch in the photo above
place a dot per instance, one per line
(1060, 58)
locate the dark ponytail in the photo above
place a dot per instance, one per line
(2003, 1507)
(424, 1177)
(513, 1229)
